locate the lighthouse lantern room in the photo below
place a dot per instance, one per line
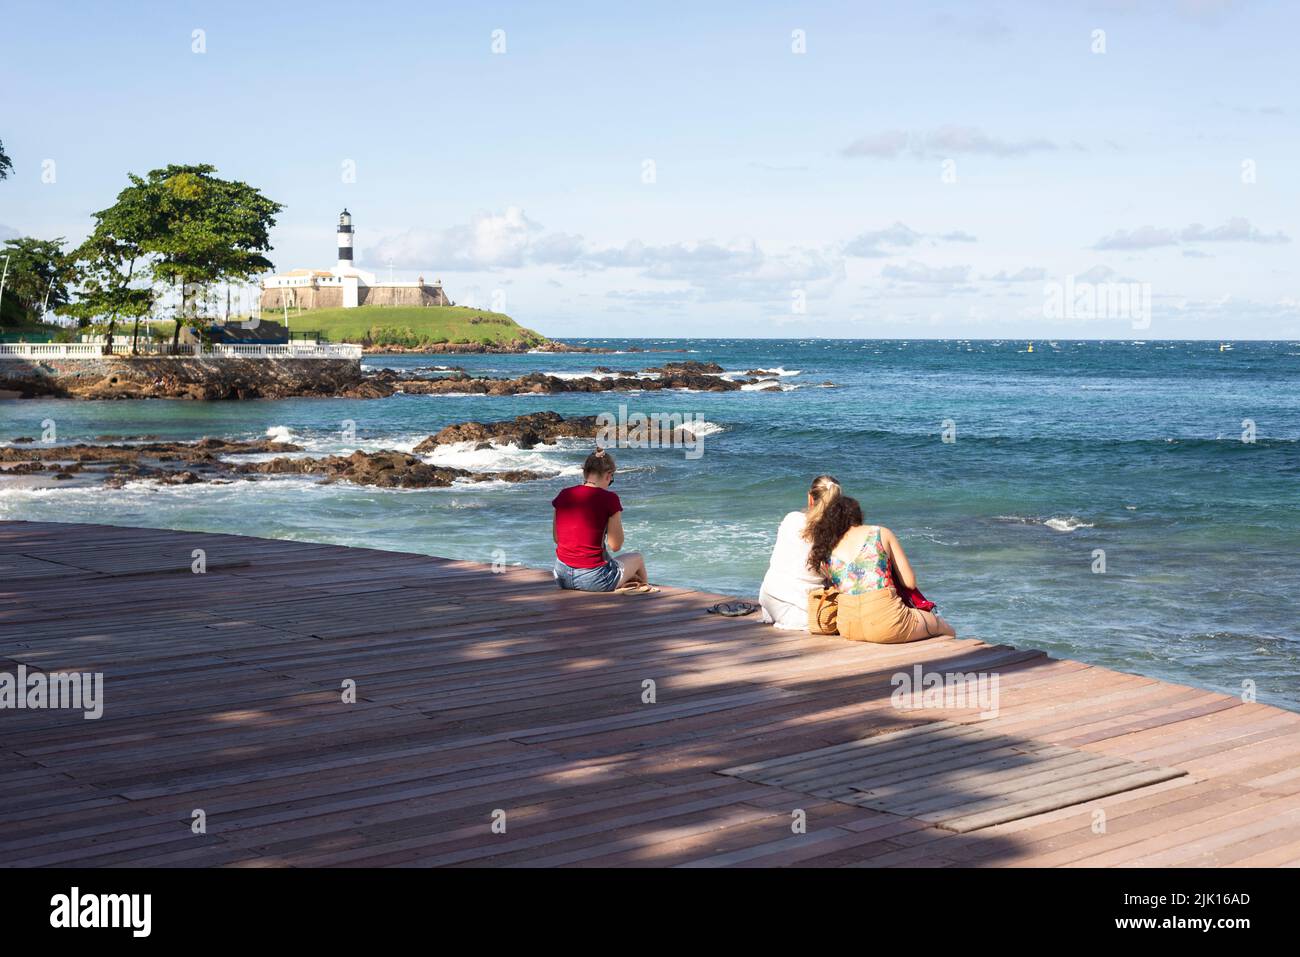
(345, 238)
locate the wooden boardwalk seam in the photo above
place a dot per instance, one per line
(480, 693)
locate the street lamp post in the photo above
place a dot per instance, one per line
(3, 276)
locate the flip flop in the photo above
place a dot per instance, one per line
(733, 609)
(639, 588)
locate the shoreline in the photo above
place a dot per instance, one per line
(225, 378)
(1184, 776)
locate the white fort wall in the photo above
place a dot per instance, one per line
(333, 295)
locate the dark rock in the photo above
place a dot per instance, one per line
(544, 428)
(382, 470)
(688, 367)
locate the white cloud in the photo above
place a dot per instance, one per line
(920, 272)
(487, 241)
(948, 140)
(1028, 274)
(871, 244)
(1238, 229)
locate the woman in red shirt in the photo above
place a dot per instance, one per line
(587, 527)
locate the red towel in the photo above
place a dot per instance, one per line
(912, 597)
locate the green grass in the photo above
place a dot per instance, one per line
(411, 325)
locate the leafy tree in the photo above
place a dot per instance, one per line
(110, 286)
(6, 166)
(181, 227)
(208, 230)
(38, 274)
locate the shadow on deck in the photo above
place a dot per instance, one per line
(498, 721)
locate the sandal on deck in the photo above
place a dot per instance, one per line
(733, 609)
(638, 588)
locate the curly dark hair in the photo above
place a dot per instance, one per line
(839, 516)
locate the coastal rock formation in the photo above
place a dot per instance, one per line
(543, 428)
(690, 367)
(539, 383)
(277, 378)
(186, 463)
(381, 469)
(204, 451)
(184, 378)
(512, 347)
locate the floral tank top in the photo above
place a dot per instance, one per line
(866, 572)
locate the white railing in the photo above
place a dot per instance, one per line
(94, 350)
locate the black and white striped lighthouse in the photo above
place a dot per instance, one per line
(345, 239)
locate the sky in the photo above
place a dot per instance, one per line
(729, 169)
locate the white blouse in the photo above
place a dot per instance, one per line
(788, 577)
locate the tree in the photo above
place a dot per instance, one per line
(179, 226)
(110, 285)
(113, 265)
(37, 274)
(208, 229)
(6, 166)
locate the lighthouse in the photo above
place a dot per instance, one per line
(344, 285)
(345, 240)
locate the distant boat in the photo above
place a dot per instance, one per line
(1225, 347)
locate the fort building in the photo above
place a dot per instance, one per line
(345, 286)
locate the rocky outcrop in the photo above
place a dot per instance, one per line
(544, 428)
(270, 378)
(688, 368)
(202, 452)
(186, 463)
(381, 469)
(185, 378)
(541, 384)
(511, 347)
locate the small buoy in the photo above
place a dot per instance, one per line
(1031, 347)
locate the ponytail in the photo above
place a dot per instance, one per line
(825, 490)
(598, 462)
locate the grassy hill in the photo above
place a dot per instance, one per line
(413, 326)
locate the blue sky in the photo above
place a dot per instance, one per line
(668, 169)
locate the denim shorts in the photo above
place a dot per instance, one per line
(601, 578)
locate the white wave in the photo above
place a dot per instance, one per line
(778, 371)
(570, 376)
(279, 433)
(766, 384)
(501, 458)
(704, 427)
(331, 443)
(1066, 524)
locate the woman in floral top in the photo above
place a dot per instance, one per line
(860, 561)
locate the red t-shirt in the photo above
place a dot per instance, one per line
(581, 514)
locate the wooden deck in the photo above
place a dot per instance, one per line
(481, 692)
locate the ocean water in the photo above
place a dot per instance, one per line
(1131, 449)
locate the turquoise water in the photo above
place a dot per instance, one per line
(1134, 448)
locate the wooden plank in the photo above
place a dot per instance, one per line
(223, 692)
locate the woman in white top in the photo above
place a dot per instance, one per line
(784, 595)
